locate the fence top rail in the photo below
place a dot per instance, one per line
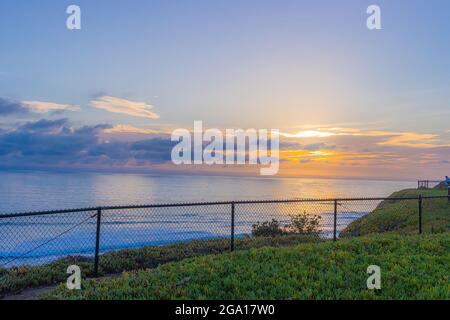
(198, 204)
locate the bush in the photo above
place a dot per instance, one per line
(267, 229)
(302, 224)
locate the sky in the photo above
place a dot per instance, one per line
(349, 101)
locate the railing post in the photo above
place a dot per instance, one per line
(97, 241)
(335, 221)
(232, 227)
(420, 214)
(448, 194)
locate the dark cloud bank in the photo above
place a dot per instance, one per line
(56, 143)
(10, 107)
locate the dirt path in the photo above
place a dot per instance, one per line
(30, 294)
(34, 293)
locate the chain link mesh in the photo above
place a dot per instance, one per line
(135, 237)
(39, 239)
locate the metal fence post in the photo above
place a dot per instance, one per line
(448, 194)
(97, 241)
(420, 214)
(335, 221)
(232, 228)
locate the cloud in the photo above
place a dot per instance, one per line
(57, 143)
(308, 134)
(413, 140)
(319, 146)
(45, 141)
(44, 126)
(131, 108)
(10, 107)
(42, 107)
(124, 128)
(382, 138)
(367, 150)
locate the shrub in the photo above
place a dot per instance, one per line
(302, 224)
(267, 229)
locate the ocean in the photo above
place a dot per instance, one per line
(35, 191)
(40, 239)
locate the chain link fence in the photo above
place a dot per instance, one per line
(115, 239)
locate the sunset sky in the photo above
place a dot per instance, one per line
(348, 101)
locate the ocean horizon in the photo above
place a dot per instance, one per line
(38, 190)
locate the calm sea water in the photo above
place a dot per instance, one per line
(39, 239)
(30, 191)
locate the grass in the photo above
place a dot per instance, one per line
(403, 216)
(412, 267)
(14, 280)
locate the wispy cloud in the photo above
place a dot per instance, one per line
(308, 134)
(413, 140)
(12, 107)
(119, 105)
(383, 138)
(363, 152)
(124, 128)
(42, 107)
